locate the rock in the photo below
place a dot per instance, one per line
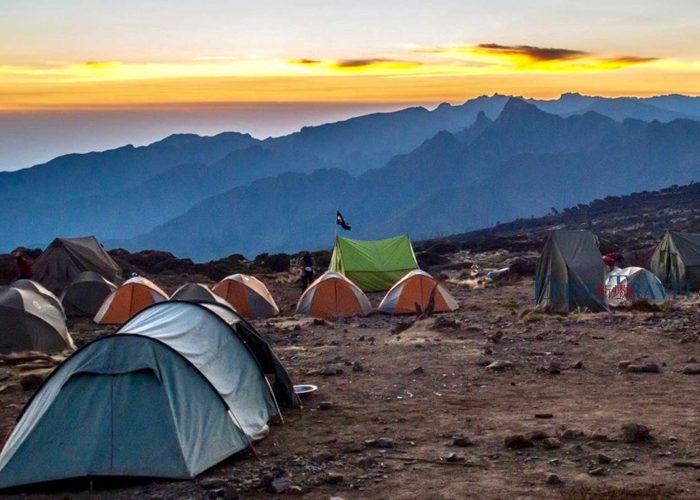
(418, 371)
(692, 369)
(279, 485)
(325, 405)
(382, 443)
(622, 365)
(603, 459)
(691, 359)
(487, 350)
(690, 465)
(634, 368)
(553, 480)
(517, 441)
(599, 436)
(538, 435)
(597, 471)
(453, 457)
(551, 443)
(334, 478)
(500, 365)
(651, 368)
(32, 380)
(462, 441)
(578, 365)
(571, 434)
(495, 337)
(543, 415)
(357, 367)
(213, 483)
(554, 367)
(225, 493)
(324, 456)
(483, 361)
(636, 433)
(330, 371)
(295, 490)
(367, 462)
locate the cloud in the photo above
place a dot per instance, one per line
(534, 53)
(305, 62)
(364, 63)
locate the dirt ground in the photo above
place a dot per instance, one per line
(427, 386)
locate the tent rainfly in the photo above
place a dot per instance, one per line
(197, 292)
(248, 295)
(123, 303)
(332, 295)
(624, 286)
(86, 294)
(676, 261)
(411, 295)
(65, 258)
(570, 273)
(102, 410)
(33, 286)
(215, 347)
(376, 265)
(29, 322)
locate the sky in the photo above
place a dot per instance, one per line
(78, 75)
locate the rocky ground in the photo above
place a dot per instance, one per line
(492, 401)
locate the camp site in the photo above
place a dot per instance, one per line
(445, 359)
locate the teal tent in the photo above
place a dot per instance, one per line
(376, 265)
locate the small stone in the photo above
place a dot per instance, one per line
(483, 361)
(604, 459)
(324, 456)
(538, 435)
(330, 371)
(382, 443)
(634, 368)
(622, 365)
(453, 457)
(213, 483)
(651, 368)
(367, 462)
(597, 471)
(279, 485)
(32, 380)
(462, 441)
(578, 365)
(487, 350)
(692, 369)
(500, 365)
(295, 490)
(543, 415)
(517, 441)
(599, 436)
(418, 371)
(496, 337)
(571, 434)
(334, 478)
(554, 367)
(551, 443)
(357, 367)
(553, 480)
(325, 405)
(636, 433)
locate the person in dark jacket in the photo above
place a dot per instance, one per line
(307, 271)
(24, 265)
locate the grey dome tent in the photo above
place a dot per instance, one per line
(85, 295)
(33, 286)
(198, 292)
(123, 405)
(570, 273)
(29, 322)
(676, 261)
(65, 258)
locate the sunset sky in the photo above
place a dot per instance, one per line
(113, 68)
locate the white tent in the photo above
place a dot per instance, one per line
(624, 286)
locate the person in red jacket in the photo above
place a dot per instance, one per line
(613, 259)
(24, 265)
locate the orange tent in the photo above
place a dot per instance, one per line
(333, 296)
(248, 295)
(133, 296)
(413, 290)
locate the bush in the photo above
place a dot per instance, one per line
(278, 262)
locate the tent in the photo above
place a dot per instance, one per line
(332, 295)
(570, 273)
(86, 294)
(624, 286)
(134, 295)
(123, 405)
(411, 295)
(216, 348)
(248, 295)
(65, 258)
(374, 266)
(29, 322)
(676, 261)
(197, 292)
(33, 286)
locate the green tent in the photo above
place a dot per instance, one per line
(374, 266)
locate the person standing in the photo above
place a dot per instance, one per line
(307, 271)
(24, 265)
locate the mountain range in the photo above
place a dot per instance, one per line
(452, 169)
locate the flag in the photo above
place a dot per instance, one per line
(340, 220)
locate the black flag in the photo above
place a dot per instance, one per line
(340, 220)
